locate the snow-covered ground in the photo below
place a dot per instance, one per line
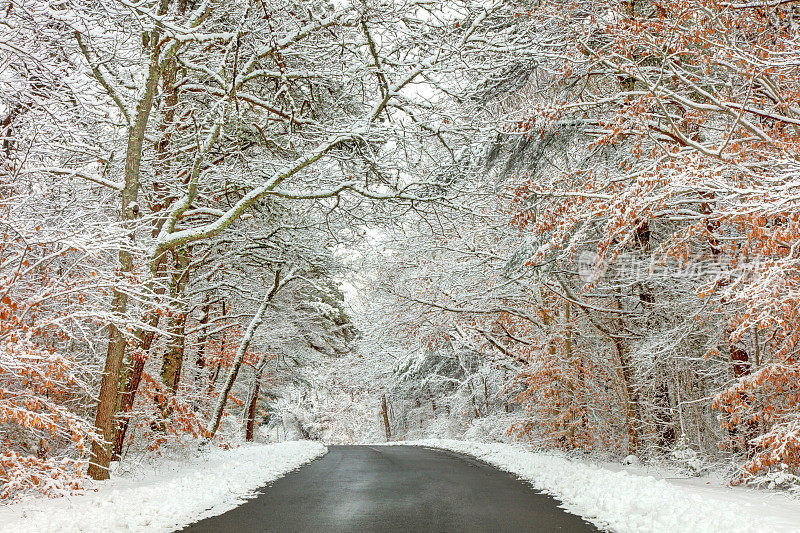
(166, 495)
(626, 499)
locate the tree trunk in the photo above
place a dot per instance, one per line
(251, 408)
(472, 398)
(129, 394)
(173, 357)
(237, 363)
(104, 417)
(571, 398)
(486, 395)
(631, 400)
(109, 386)
(145, 339)
(251, 414)
(202, 341)
(385, 413)
(632, 416)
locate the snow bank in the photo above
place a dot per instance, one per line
(171, 495)
(628, 502)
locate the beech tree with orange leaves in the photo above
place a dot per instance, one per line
(698, 104)
(635, 262)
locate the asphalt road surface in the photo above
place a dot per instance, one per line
(395, 488)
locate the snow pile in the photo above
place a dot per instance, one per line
(168, 497)
(626, 502)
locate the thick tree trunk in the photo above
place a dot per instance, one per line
(630, 398)
(253, 403)
(109, 386)
(251, 413)
(104, 417)
(145, 339)
(128, 396)
(173, 357)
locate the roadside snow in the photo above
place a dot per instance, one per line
(624, 501)
(169, 496)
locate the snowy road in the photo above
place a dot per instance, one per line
(402, 488)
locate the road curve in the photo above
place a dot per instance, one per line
(395, 488)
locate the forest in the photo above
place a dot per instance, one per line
(568, 223)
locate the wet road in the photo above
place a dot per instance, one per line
(395, 488)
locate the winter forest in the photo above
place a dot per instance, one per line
(569, 224)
